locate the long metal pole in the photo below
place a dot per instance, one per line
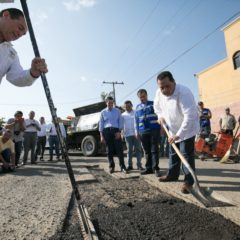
(55, 119)
(114, 94)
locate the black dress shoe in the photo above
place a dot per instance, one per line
(140, 168)
(186, 188)
(130, 168)
(167, 178)
(145, 172)
(111, 170)
(157, 172)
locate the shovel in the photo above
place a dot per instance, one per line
(203, 195)
(227, 154)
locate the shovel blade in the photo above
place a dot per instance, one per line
(197, 193)
(208, 198)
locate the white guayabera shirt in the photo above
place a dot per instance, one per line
(179, 111)
(10, 66)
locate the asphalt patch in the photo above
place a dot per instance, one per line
(132, 209)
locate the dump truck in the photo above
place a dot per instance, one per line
(83, 132)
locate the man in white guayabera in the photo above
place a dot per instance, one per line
(12, 27)
(175, 106)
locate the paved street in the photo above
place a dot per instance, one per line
(36, 197)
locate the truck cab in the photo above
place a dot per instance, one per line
(83, 134)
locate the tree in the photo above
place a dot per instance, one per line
(104, 95)
(2, 121)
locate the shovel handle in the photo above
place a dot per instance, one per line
(182, 158)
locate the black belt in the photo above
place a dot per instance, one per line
(111, 129)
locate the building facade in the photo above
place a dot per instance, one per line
(219, 85)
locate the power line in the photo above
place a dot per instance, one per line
(145, 50)
(182, 54)
(133, 38)
(177, 27)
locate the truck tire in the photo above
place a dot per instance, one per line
(89, 146)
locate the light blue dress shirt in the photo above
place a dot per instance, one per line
(110, 118)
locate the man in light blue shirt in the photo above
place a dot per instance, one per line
(131, 137)
(110, 126)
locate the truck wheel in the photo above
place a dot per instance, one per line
(89, 146)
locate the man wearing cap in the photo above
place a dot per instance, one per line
(17, 127)
(205, 115)
(227, 122)
(12, 27)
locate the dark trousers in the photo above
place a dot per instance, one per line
(186, 147)
(18, 151)
(150, 143)
(228, 131)
(30, 141)
(53, 144)
(41, 143)
(113, 144)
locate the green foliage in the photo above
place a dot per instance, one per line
(104, 95)
(2, 121)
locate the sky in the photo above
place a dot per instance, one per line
(86, 42)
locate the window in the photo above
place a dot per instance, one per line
(236, 60)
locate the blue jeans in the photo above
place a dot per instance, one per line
(6, 155)
(131, 142)
(164, 146)
(186, 147)
(53, 143)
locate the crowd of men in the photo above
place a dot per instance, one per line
(28, 135)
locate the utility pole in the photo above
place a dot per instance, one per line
(114, 94)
